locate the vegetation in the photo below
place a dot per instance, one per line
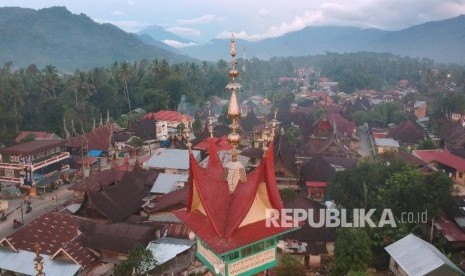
(139, 259)
(353, 252)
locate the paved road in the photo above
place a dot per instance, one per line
(364, 149)
(39, 204)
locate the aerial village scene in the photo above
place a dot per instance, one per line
(323, 164)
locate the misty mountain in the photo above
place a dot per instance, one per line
(69, 41)
(159, 33)
(147, 39)
(442, 41)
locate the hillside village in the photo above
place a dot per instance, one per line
(134, 186)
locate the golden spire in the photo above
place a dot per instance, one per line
(234, 170)
(210, 124)
(38, 264)
(266, 136)
(274, 124)
(233, 111)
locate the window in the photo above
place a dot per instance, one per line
(460, 174)
(246, 251)
(14, 158)
(269, 243)
(258, 247)
(234, 255)
(9, 173)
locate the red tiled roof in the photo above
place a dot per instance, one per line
(224, 211)
(37, 134)
(450, 230)
(167, 115)
(441, 156)
(343, 126)
(97, 139)
(322, 95)
(32, 147)
(53, 231)
(220, 143)
(316, 184)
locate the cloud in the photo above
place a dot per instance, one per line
(382, 14)
(184, 31)
(178, 44)
(198, 20)
(131, 2)
(117, 13)
(263, 12)
(130, 26)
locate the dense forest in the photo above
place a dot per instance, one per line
(35, 98)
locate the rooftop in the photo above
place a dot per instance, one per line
(386, 142)
(167, 115)
(441, 156)
(32, 147)
(170, 159)
(417, 257)
(166, 182)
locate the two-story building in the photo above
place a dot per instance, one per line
(37, 163)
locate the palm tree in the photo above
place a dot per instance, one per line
(16, 95)
(124, 73)
(51, 79)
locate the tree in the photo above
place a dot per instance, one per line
(427, 144)
(124, 73)
(197, 125)
(51, 79)
(291, 266)
(140, 259)
(352, 252)
(292, 135)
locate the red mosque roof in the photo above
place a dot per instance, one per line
(225, 211)
(166, 115)
(220, 143)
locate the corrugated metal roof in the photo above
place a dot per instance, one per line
(23, 262)
(386, 142)
(417, 257)
(225, 157)
(166, 182)
(165, 249)
(170, 159)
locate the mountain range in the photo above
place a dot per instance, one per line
(443, 41)
(70, 41)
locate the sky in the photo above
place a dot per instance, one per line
(203, 20)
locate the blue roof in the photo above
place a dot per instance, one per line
(94, 153)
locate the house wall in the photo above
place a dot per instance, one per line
(459, 177)
(396, 269)
(420, 112)
(386, 149)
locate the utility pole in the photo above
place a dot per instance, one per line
(22, 214)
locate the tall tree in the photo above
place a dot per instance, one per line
(124, 74)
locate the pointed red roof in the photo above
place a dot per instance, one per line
(166, 115)
(225, 211)
(220, 143)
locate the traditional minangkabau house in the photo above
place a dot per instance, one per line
(409, 134)
(287, 175)
(56, 235)
(326, 140)
(96, 144)
(37, 135)
(113, 241)
(117, 202)
(96, 181)
(313, 244)
(248, 123)
(31, 165)
(227, 207)
(316, 173)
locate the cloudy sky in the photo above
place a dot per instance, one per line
(202, 20)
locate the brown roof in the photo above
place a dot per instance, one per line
(307, 233)
(120, 201)
(408, 132)
(97, 180)
(116, 237)
(98, 139)
(53, 231)
(285, 155)
(176, 199)
(249, 121)
(322, 168)
(144, 129)
(253, 152)
(32, 147)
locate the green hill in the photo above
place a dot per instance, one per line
(69, 41)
